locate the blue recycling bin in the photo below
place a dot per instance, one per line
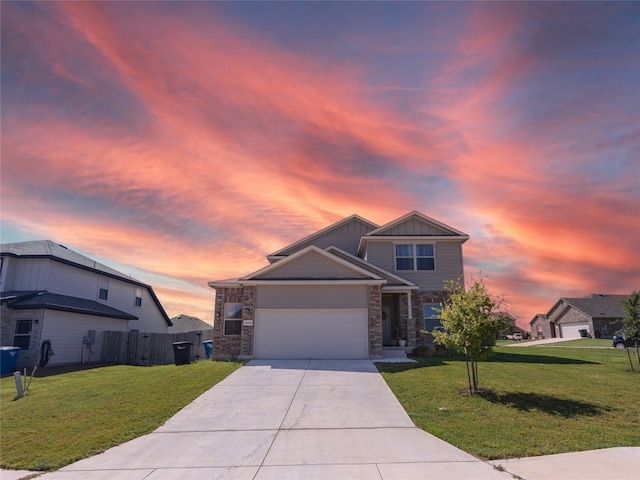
(208, 347)
(8, 359)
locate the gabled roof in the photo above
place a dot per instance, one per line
(60, 253)
(392, 279)
(443, 230)
(53, 301)
(357, 272)
(366, 226)
(538, 316)
(411, 226)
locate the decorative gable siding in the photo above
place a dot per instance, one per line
(310, 265)
(415, 227)
(345, 237)
(448, 264)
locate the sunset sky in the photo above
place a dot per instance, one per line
(183, 142)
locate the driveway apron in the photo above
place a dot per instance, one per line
(280, 419)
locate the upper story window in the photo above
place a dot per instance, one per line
(232, 318)
(419, 256)
(138, 297)
(103, 289)
(431, 316)
(22, 336)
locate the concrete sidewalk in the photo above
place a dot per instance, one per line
(310, 419)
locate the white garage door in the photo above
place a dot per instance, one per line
(572, 330)
(326, 333)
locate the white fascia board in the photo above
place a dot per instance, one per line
(382, 271)
(253, 283)
(224, 284)
(304, 251)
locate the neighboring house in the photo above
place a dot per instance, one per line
(184, 323)
(346, 291)
(599, 315)
(541, 327)
(513, 328)
(53, 296)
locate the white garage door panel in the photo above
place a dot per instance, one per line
(572, 330)
(327, 333)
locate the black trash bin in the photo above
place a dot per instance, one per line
(583, 333)
(182, 352)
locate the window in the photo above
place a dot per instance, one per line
(232, 318)
(22, 336)
(103, 289)
(431, 316)
(138, 297)
(415, 257)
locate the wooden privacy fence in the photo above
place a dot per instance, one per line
(140, 348)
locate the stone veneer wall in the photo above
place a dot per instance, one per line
(8, 318)
(375, 320)
(233, 347)
(418, 299)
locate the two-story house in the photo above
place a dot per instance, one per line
(346, 291)
(56, 300)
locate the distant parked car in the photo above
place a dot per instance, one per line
(515, 336)
(620, 342)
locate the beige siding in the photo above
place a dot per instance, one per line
(66, 330)
(448, 263)
(311, 265)
(311, 296)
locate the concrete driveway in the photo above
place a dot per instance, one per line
(281, 419)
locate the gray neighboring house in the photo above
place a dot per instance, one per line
(600, 315)
(184, 323)
(347, 291)
(53, 296)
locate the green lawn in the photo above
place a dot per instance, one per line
(539, 401)
(69, 416)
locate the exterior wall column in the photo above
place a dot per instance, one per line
(375, 320)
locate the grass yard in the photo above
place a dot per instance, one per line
(539, 401)
(66, 417)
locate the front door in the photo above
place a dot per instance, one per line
(386, 324)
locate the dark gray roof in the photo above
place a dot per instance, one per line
(599, 305)
(17, 295)
(48, 248)
(53, 301)
(186, 323)
(60, 253)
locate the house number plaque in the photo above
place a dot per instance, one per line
(247, 323)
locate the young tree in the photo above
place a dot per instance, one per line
(470, 324)
(631, 322)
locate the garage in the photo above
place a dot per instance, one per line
(572, 330)
(311, 333)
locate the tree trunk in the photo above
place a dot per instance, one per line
(630, 362)
(469, 377)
